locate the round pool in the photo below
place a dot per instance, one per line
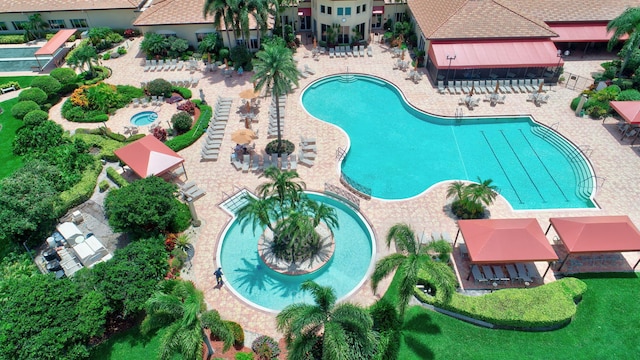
(144, 118)
(249, 278)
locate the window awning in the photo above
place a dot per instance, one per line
(378, 9)
(495, 54)
(582, 33)
(56, 42)
(304, 11)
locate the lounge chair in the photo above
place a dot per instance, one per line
(504, 88)
(136, 102)
(543, 99)
(514, 86)
(284, 163)
(513, 273)
(486, 269)
(293, 162)
(154, 100)
(532, 271)
(174, 64)
(304, 160)
(522, 86)
(343, 51)
(522, 273)
(370, 51)
(303, 74)
(274, 160)
(307, 141)
(154, 65)
(457, 87)
(147, 65)
(529, 86)
(246, 161)
(464, 252)
(441, 88)
(167, 65)
(236, 163)
(478, 87)
(501, 99)
(361, 50)
(255, 163)
(497, 270)
(477, 275)
(180, 65)
(354, 51)
(332, 52)
(267, 161)
(144, 102)
(466, 87)
(309, 70)
(160, 66)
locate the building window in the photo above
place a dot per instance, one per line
(364, 7)
(399, 16)
(254, 44)
(347, 11)
(358, 9)
(343, 36)
(57, 24)
(3, 26)
(329, 10)
(19, 25)
(79, 23)
(340, 11)
(322, 9)
(239, 42)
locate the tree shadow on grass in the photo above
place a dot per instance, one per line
(414, 333)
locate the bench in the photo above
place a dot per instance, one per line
(6, 90)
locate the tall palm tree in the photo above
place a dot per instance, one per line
(282, 184)
(275, 69)
(222, 12)
(411, 257)
(626, 23)
(181, 307)
(84, 56)
(484, 192)
(325, 330)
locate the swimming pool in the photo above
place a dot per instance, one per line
(399, 152)
(248, 277)
(144, 118)
(21, 59)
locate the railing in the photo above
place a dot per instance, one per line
(342, 194)
(357, 188)
(340, 153)
(575, 82)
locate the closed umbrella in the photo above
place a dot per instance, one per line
(243, 136)
(540, 87)
(472, 90)
(497, 87)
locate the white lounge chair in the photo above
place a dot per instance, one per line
(236, 163)
(154, 65)
(255, 163)
(160, 65)
(293, 162)
(284, 164)
(309, 70)
(174, 64)
(361, 50)
(147, 65)
(180, 65)
(332, 52)
(441, 88)
(274, 160)
(246, 161)
(354, 51)
(370, 51)
(307, 141)
(308, 147)
(136, 102)
(167, 65)
(303, 73)
(144, 102)
(305, 161)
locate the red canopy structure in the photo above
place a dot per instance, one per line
(56, 42)
(629, 110)
(582, 32)
(149, 156)
(491, 241)
(596, 234)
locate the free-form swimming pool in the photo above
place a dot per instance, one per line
(249, 278)
(144, 118)
(398, 151)
(20, 59)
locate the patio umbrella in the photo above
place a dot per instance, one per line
(249, 94)
(497, 87)
(243, 136)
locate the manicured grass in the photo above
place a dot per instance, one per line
(605, 327)
(129, 345)
(24, 81)
(9, 124)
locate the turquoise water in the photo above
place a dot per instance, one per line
(144, 118)
(20, 59)
(399, 152)
(18, 52)
(249, 278)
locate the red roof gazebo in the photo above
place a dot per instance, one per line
(149, 156)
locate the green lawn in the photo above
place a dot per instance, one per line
(9, 124)
(24, 81)
(130, 345)
(605, 327)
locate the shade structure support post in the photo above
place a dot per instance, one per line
(563, 262)
(548, 228)
(185, 171)
(469, 276)
(637, 262)
(546, 271)
(456, 239)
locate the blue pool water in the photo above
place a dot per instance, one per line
(249, 278)
(20, 59)
(398, 151)
(144, 118)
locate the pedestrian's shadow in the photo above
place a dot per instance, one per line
(219, 286)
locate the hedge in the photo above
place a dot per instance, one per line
(34, 94)
(184, 92)
(185, 140)
(116, 178)
(12, 39)
(547, 305)
(103, 185)
(81, 191)
(106, 145)
(9, 84)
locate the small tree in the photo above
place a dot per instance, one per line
(208, 45)
(182, 122)
(84, 56)
(469, 200)
(154, 44)
(48, 84)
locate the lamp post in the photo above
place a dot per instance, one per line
(450, 58)
(560, 56)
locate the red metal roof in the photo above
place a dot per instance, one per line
(148, 156)
(629, 110)
(495, 54)
(56, 42)
(581, 32)
(592, 234)
(304, 11)
(491, 241)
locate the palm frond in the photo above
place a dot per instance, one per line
(404, 238)
(334, 343)
(384, 267)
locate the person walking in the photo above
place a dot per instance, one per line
(218, 274)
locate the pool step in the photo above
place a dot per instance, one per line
(348, 78)
(236, 201)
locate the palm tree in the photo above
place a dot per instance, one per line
(34, 28)
(411, 257)
(208, 45)
(84, 56)
(456, 190)
(181, 307)
(222, 12)
(483, 192)
(325, 330)
(282, 184)
(626, 23)
(275, 69)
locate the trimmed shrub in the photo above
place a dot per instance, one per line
(159, 87)
(64, 75)
(574, 103)
(128, 93)
(121, 50)
(238, 333)
(103, 185)
(106, 56)
(47, 83)
(116, 136)
(15, 84)
(185, 140)
(551, 304)
(113, 175)
(184, 92)
(182, 221)
(34, 94)
(188, 106)
(628, 95)
(135, 137)
(22, 108)
(182, 122)
(265, 347)
(243, 356)
(287, 147)
(223, 54)
(160, 133)
(12, 39)
(81, 191)
(35, 117)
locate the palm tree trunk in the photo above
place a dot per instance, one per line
(278, 122)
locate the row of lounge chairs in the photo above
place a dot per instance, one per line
(526, 273)
(257, 163)
(308, 151)
(145, 101)
(490, 86)
(162, 65)
(190, 191)
(345, 51)
(215, 131)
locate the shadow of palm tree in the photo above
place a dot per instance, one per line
(421, 323)
(418, 347)
(253, 276)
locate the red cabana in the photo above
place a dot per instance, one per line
(596, 234)
(491, 241)
(149, 156)
(54, 44)
(629, 110)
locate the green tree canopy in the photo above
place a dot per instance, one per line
(84, 56)
(627, 23)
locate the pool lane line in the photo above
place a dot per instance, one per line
(523, 167)
(455, 138)
(501, 167)
(543, 165)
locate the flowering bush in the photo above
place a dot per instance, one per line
(78, 97)
(188, 107)
(265, 347)
(129, 33)
(160, 133)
